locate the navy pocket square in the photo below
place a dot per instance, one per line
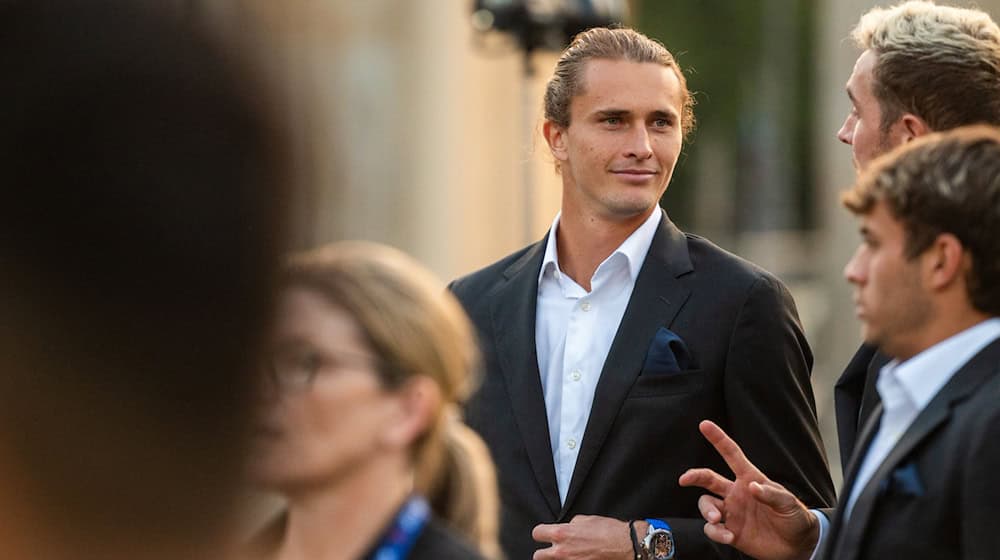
(904, 480)
(667, 353)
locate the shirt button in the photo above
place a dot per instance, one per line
(576, 375)
(585, 306)
(571, 443)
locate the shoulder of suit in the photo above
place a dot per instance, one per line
(977, 419)
(709, 258)
(482, 280)
(985, 398)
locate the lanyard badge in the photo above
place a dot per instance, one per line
(405, 529)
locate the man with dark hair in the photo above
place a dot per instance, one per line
(143, 181)
(923, 68)
(607, 341)
(922, 483)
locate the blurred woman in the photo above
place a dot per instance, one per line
(361, 430)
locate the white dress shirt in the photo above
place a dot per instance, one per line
(906, 389)
(574, 330)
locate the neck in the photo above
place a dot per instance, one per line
(945, 327)
(584, 242)
(344, 520)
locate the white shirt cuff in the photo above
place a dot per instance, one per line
(824, 528)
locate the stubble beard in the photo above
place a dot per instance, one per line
(911, 314)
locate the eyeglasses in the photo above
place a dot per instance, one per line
(294, 369)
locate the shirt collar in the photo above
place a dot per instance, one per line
(923, 375)
(634, 248)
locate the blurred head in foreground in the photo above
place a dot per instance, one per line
(142, 180)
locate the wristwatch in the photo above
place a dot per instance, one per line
(659, 541)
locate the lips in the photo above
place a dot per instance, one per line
(859, 309)
(631, 171)
(635, 176)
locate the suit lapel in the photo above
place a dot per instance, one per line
(656, 298)
(869, 396)
(513, 311)
(847, 395)
(864, 440)
(868, 432)
(855, 397)
(965, 381)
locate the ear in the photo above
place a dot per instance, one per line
(418, 405)
(945, 262)
(912, 127)
(555, 135)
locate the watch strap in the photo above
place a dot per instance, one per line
(659, 524)
(635, 540)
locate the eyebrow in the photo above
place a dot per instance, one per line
(664, 115)
(850, 95)
(608, 113)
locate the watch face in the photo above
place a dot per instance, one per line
(662, 546)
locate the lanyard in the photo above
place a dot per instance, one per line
(402, 534)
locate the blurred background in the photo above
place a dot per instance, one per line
(428, 124)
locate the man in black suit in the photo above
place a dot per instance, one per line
(922, 483)
(923, 68)
(607, 341)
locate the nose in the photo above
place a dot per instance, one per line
(854, 269)
(639, 145)
(846, 132)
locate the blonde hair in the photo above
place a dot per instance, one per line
(939, 63)
(417, 328)
(464, 493)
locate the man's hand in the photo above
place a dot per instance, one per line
(756, 515)
(585, 537)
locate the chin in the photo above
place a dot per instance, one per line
(871, 336)
(631, 208)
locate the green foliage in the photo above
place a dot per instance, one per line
(721, 46)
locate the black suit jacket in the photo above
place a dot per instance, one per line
(855, 397)
(937, 494)
(752, 377)
(437, 542)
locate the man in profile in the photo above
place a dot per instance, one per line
(143, 182)
(922, 481)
